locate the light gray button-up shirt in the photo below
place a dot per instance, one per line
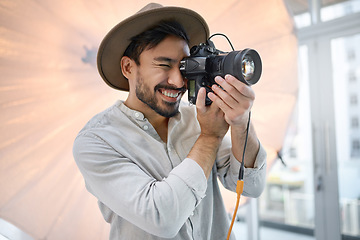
(148, 189)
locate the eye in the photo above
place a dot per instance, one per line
(165, 65)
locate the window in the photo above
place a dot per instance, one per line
(352, 76)
(353, 100)
(354, 122)
(330, 11)
(351, 55)
(288, 198)
(346, 129)
(330, 30)
(355, 148)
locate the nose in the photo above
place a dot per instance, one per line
(176, 78)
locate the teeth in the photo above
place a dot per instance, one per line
(169, 94)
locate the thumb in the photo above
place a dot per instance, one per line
(200, 100)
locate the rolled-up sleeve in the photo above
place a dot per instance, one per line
(193, 176)
(159, 207)
(254, 178)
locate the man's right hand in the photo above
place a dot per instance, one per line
(211, 118)
(213, 129)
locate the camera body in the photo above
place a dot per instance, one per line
(206, 62)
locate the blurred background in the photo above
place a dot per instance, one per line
(306, 113)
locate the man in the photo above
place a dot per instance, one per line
(152, 161)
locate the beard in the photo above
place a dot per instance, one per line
(148, 96)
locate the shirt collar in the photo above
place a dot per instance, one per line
(132, 114)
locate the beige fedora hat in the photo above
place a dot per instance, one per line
(117, 40)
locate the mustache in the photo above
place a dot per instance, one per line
(169, 87)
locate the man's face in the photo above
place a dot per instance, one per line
(159, 83)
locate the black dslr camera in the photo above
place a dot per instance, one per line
(206, 62)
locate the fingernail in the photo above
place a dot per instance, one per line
(218, 79)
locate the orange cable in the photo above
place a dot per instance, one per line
(239, 190)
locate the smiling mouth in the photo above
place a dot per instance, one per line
(170, 93)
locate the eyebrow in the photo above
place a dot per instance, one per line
(165, 59)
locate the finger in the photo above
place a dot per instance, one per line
(235, 87)
(200, 100)
(218, 102)
(233, 115)
(244, 89)
(225, 96)
(230, 106)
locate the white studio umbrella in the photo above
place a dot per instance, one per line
(50, 88)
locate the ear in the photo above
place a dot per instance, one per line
(127, 67)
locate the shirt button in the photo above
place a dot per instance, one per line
(137, 115)
(146, 127)
(192, 214)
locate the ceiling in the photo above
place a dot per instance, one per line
(301, 6)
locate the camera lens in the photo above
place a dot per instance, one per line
(247, 67)
(244, 65)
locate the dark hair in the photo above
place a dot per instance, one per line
(152, 37)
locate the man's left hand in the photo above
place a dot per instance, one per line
(235, 99)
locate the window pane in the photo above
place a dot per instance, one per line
(288, 198)
(346, 74)
(332, 9)
(300, 11)
(329, 10)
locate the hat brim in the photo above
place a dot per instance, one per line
(117, 40)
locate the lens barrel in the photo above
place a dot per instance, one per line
(244, 65)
